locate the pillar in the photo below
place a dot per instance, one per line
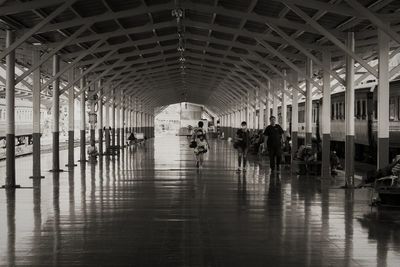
(107, 126)
(71, 120)
(56, 116)
(118, 118)
(123, 126)
(36, 164)
(308, 104)
(267, 103)
(295, 116)
(326, 115)
(349, 114)
(261, 119)
(134, 120)
(10, 113)
(83, 121)
(92, 119)
(113, 111)
(383, 99)
(100, 116)
(275, 102)
(284, 104)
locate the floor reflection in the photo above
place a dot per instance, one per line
(149, 206)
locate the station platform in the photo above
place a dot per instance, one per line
(150, 206)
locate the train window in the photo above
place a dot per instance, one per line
(313, 115)
(337, 111)
(364, 110)
(358, 109)
(398, 108)
(301, 116)
(341, 111)
(332, 111)
(392, 108)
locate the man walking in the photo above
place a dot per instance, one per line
(273, 137)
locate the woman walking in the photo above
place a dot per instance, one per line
(201, 145)
(242, 145)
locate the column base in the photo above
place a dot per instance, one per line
(71, 166)
(36, 177)
(57, 170)
(10, 186)
(83, 160)
(349, 162)
(326, 153)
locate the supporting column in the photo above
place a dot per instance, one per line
(92, 116)
(113, 111)
(308, 105)
(261, 119)
(383, 100)
(326, 116)
(134, 126)
(100, 112)
(10, 113)
(107, 127)
(268, 104)
(284, 104)
(295, 116)
(118, 118)
(248, 110)
(123, 126)
(36, 165)
(349, 116)
(83, 120)
(275, 102)
(71, 120)
(56, 116)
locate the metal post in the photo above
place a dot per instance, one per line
(92, 116)
(349, 114)
(107, 127)
(71, 120)
(383, 100)
(56, 116)
(267, 104)
(275, 101)
(295, 115)
(113, 110)
(36, 173)
(123, 126)
(10, 111)
(100, 112)
(118, 121)
(284, 103)
(83, 120)
(134, 121)
(326, 115)
(308, 105)
(261, 117)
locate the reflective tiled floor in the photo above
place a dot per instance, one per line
(150, 207)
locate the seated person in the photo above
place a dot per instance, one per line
(392, 169)
(92, 151)
(132, 138)
(334, 162)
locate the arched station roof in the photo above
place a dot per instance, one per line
(211, 52)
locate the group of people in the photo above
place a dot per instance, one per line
(273, 140)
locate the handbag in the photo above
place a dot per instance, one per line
(193, 144)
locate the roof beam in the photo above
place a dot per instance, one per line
(36, 28)
(384, 26)
(331, 37)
